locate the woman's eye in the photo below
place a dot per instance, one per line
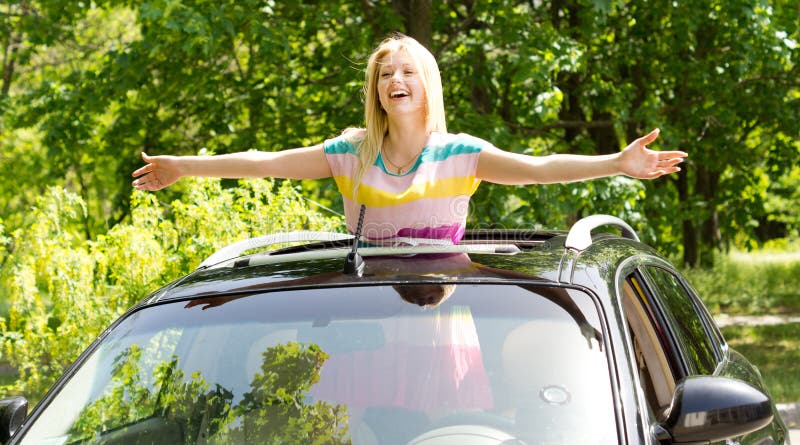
(385, 75)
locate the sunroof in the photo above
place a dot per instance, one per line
(317, 245)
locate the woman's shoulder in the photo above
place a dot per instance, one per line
(345, 142)
(460, 141)
(354, 133)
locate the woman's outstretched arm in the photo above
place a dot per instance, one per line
(298, 163)
(636, 160)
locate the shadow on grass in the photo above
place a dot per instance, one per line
(775, 350)
(8, 375)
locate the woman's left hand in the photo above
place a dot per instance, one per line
(638, 161)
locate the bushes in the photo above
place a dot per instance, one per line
(62, 290)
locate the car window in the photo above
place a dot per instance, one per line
(651, 347)
(105, 382)
(693, 337)
(349, 365)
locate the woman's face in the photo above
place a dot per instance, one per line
(400, 87)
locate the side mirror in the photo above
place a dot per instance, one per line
(709, 409)
(12, 415)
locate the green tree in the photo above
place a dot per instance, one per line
(185, 408)
(542, 77)
(276, 403)
(61, 45)
(227, 76)
(27, 26)
(63, 290)
(579, 76)
(730, 102)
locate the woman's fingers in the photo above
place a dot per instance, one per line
(140, 171)
(148, 183)
(670, 162)
(147, 168)
(143, 183)
(664, 168)
(649, 137)
(152, 176)
(672, 154)
(645, 163)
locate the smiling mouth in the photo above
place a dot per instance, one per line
(398, 94)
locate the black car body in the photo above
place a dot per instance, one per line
(509, 337)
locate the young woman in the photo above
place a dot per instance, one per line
(413, 177)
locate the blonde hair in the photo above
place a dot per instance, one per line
(375, 117)
(426, 295)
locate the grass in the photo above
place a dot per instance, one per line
(776, 351)
(750, 284)
(759, 283)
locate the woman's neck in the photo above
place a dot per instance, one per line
(405, 140)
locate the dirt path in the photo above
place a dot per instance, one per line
(724, 320)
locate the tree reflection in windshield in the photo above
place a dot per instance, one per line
(176, 409)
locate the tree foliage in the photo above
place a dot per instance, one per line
(167, 76)
(186, 408)
(63, 289)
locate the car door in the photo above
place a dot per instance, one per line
(673, 336)
(687, 341)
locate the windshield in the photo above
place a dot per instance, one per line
(356, 365)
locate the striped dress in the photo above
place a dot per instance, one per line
(431, 200)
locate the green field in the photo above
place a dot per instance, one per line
(776, 352)
(756, 283)
(759, 283)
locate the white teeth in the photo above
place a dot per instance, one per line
(398, 94)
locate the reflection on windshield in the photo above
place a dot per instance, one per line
(337, 366)
(178, 410)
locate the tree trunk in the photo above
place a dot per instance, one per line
(84, 192)
(9, 64)
(417, 19)
(690, 247)
(604, 136)
(710, 239)
(568, 83)
(639, 77)
(479, 94)
(710, 242)
(255, 103)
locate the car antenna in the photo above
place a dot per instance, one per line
(354, 263)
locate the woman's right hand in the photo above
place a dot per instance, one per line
(158, 173)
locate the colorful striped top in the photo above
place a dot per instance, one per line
(429, 201)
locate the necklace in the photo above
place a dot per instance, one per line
(400, 168)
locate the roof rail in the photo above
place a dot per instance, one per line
(580, 234)
(370, 251)
(236, 249)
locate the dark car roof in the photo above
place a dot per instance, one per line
(481, 257)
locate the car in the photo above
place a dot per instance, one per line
(585, 335)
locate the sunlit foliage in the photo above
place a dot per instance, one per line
(63, 290)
